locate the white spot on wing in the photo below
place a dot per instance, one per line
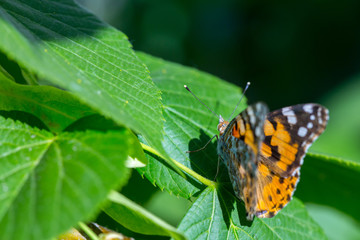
(257, 131)
(292, 119)
(319, 112)
(251, 115)
(319, 116)
(285, 109)
(258, 107)
(302, 131)
(296, 171)
(310, 125)
(290, 115)
(327, 114)
(313, 136)
(308, 108)
(312, 117)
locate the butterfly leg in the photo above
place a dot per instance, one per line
(217, 168)
(198, 150)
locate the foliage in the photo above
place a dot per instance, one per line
(69, 111)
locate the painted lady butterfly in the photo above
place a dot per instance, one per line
(264, 152)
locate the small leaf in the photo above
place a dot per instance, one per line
(138, 219)
(188, 125)
(218, 215)
(137, 156)
(48, 183)
(71, 48)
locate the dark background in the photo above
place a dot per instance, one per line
(291, 52)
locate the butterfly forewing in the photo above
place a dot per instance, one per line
(288, 134)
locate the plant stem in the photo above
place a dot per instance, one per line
(88, 231)
(192, 173)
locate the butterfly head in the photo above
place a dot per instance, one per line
(222, 125)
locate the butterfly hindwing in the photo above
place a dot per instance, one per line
(273, 192)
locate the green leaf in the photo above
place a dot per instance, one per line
(217, 215)
(344, 123)
(56, 108)
(335, 224)
(136, 154)
(69, 47)
(188, 124)
(138, 219)
(48, 183)
(330, 181)
(5, 64)
(100, 123)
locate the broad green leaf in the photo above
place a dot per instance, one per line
(48, 183)
(330, 181)
(55, 107)
(138, 219)
(188, 124)
(69, 47)
(216, 215)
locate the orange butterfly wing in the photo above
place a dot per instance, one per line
(264, 151)
(288, 134)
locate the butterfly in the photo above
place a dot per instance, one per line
(263, 152)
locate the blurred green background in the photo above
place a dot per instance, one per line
(292, 52)
(297, 52)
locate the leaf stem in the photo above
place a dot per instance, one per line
(88, 231)
(187, 170)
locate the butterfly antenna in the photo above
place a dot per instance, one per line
(246, 87)
(201, 101)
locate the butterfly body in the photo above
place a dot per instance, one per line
(264, 151)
